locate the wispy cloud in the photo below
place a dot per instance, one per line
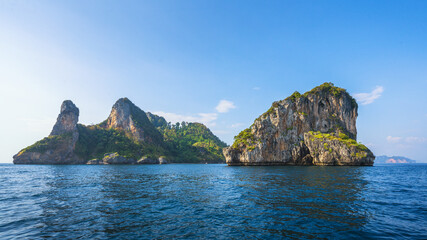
(368, 98)
(256, 88)
(225, 106)
(415, 139)
(391, 139)
(206, 118)
(410, 139)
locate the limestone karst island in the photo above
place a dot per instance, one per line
(128, 136)
(314, 128)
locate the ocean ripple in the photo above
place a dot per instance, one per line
(212, 201)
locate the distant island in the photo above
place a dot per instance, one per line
(393, 159)
(314, 128)
(128, 136)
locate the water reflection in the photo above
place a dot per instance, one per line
(301, 201)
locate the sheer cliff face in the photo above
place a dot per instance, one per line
(58, 148)
(133, 121)
(67, 119)
(120, 118)
(277, 137)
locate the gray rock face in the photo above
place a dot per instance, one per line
(328, 150)
(111, 158)
(115, 158)
(148, 160)
(67, 119)
(162, 160)
(58, 148)
(95, 162)
(132, 120)
(278, 136)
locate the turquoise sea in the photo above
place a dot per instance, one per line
(190, 201)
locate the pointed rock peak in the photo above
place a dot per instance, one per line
(67, 119)
(122, 110)
(123, 102)
(128, 117)
(68, 106)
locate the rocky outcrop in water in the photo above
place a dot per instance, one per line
(115, 158)
(316, 128)
(150, 160)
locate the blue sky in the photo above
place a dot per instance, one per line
(219, 62)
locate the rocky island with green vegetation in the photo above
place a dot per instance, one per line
(314, 128)
(128, 136)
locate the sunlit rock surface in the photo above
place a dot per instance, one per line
(281, 135)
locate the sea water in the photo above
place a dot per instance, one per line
(193, 201)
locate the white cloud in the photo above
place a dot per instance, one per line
(256, 88)
(393, 139)
(406, 140)
(368, 98)
(206, 118)
(225, 106)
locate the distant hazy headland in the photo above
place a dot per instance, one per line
(393, 159)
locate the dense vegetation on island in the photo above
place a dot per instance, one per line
(181, 142)
(47, 143)
(94, 141)
(189, 142)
